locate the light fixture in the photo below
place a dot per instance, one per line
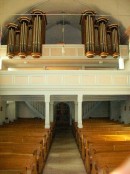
(63, 49)
(25, 62)
(100, 62)
(121, 63)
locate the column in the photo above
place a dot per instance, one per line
(80, 99)
(51, 111)
(47, 116)
(76, 111)
(71, 112)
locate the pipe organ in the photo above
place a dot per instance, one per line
(114, 40)
(24, 22)
(98, 37)
(11, 39)
(88, 32)
(38, 36)
(103, 36)
(27, 37)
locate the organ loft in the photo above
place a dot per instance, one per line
(28, 36)
(64, 87)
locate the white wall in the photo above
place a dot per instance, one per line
(98, 109)
(115, 110)
(23, 111)
(2, 111)
(125, 111)
(11, 110)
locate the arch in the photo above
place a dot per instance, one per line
(62, 114)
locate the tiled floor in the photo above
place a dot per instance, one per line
(64, 157)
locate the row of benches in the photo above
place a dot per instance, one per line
(24, 146)
(104, 145)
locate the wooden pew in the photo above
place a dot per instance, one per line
(25, 137)
(26, 164)
(34, 149)
(112, 159)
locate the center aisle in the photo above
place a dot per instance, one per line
(64, 157)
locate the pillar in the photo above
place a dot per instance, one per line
(80, 99)
(47, 116)
(51, 111)
(71, 112)
(76, 111)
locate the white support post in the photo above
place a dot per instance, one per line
(76, 111)
(71, 113)
(47, 116)
(73, 110)
(51, 111)
(80, 99)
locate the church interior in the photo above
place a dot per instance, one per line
(64, 87)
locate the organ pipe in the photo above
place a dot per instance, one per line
(17, 41)
(109, 41)
(38, 36)
(103, 36)
(114, 40)
(87, 22)
(96, 34)
(29, 39)
(24, 23)
(11, 39)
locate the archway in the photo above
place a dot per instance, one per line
(62, 114)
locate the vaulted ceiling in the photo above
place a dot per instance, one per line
(117, 11)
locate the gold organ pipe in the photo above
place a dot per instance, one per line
(39, 34)
(87, 33)
(33, 42)
(88, 17)
(114, 40)
(38, 17)
(11, 39)
(103, 35)
(20, 37)
(36, 34)
(92, 34)
(24, 26)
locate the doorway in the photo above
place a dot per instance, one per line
(62, 114)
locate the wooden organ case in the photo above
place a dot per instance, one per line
(98, 37)
(27, 37)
